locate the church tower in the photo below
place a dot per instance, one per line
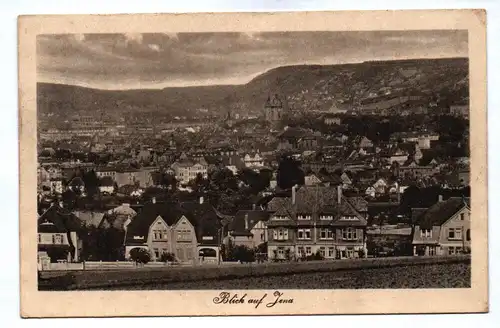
(274, 109)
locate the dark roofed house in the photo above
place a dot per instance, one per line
(189, 230)
(315, 219)
(76, 185)
(443, 228)
(58, 231)
(249, 228)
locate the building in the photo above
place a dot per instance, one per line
(57, 235)
(106, 185)
(118, 218)
(253, 161)
(315, 219)
(189, 231)
(332, 120)
(443, 228)
(274, 109)
(460, 110)
(187, 170)
(248, 228)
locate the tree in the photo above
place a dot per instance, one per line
(243, 254)
(140, 255)
(91, 182)
(289, 173)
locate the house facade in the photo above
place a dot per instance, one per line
(443, 229)
(315, 219)
(185, 171)
(248, 228)
(188, 231)
(57, 235)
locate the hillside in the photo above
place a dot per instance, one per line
(306, 87)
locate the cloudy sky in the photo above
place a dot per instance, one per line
(131, 61)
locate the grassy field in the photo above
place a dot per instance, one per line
(449, 275)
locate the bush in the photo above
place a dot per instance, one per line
(361, 253)
(243, 254)
(140, 255)
(168, 257)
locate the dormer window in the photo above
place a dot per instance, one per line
(326, 217)
(304, 217)
(280, 217)
(426, 233)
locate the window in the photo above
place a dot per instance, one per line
(331, 251)
(280, 234)
(349, 234)
(39, 238)
(184, 235)
(325, 233)
(451, 250)
(326, 217)
(304, 217)
(308, 250)
(322, 251)
(281, 251)
(157, 253)
(280, 217)
(301, 251)
(425, 233)
(462, 216)
(159, 235)
(350, 218)
(57, 239)
(304, 234)
(455, 233)
(467, 235)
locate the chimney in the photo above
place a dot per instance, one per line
(201, 200)
(246, 221)
(339, 194)
(294, 191)
(153, 200)
(440, 199)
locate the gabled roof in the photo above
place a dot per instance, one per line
(203, 217)
(359, 203)
(76, 181)
(439, 213)
(62, 219)
(237, 226)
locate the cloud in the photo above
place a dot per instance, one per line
(134, 60)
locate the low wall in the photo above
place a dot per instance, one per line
(161, 275)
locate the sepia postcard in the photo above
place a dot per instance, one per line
(284, 163)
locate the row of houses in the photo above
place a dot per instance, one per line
(310, 220)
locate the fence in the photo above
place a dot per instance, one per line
(141, 276)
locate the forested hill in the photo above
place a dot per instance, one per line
(306, 87)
